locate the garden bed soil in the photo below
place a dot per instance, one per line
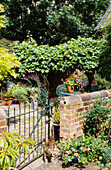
(59, 165)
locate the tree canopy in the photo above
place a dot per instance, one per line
(52, 22)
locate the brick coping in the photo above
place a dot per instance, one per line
(79, 98)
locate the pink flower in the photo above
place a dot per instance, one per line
(84, 75)
(73, 74)
(82, 148)
(67, 152)
(65, 155)
(77, 156)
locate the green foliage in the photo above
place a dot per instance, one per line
(17, 91)
(96, 116)
(8, 62)
(6, 44)
(2, 17)
(105, 56)
(102, 82)
(78, 79)
(56, 116)
(44, 17)
(11, 145)
(84, 150)
(81, 53)
(70, 81)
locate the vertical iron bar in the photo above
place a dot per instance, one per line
(24, 117)
(29, 120)
(14, 119)
(19, 119)
(24, 123)
(33, 124)
(45, 128)
(29, 124)
(41, 130)
(48, 118)
(19, 124)
(37, 128)
(8, 120)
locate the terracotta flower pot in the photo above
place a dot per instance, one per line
(8, 100)
(70, 89)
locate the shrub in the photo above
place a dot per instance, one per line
(81, 53)
(84, 150)
(8, 62)
(105, 55)
(102, 82)
(17, 91)
(96, 116)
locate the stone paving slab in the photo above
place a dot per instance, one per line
(57, 165)
(34, 165)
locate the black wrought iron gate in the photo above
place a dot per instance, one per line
(31, 119)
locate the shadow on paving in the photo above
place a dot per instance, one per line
(58, 165)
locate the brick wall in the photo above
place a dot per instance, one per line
(3, 122)
(72, 111)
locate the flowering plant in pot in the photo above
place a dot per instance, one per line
(70, 82)
(77, 79)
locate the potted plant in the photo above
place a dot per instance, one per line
(16, 91)
(56, 121)
(78, 79)
(70, 82)
(11, 145)
(20, 93)
(8, 96)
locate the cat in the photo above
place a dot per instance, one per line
(50, 150)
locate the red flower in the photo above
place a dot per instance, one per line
(75, 77)
(66, 79)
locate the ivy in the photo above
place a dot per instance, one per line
(81, 53)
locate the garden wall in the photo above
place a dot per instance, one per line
(3, 121)
(72, 111)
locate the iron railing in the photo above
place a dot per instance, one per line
(30, 119)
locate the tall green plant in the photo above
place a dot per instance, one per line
(11, 145)
(81, 53)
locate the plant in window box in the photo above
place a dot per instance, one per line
(56, 121)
